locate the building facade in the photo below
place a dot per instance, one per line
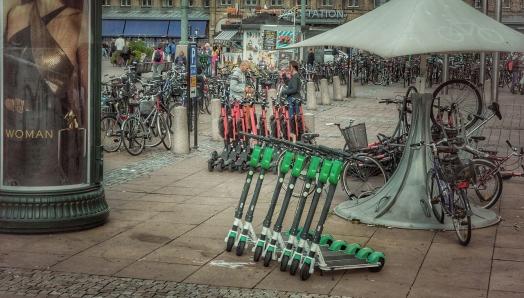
(213, 14)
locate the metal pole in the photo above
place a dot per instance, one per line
(445, 68)
(302, 25)
(496, 59)
(184, 23)
(482, 74)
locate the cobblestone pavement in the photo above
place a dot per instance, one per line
(169, 217)
(45, 283)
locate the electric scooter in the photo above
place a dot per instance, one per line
(232, 235)
(248, 233)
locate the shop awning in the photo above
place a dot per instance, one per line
(146, 28)
(174, 28)
(112, 27)
(225, 35)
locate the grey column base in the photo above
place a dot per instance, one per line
(61, 211)
(402, 202)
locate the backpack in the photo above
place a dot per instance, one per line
(157, 57)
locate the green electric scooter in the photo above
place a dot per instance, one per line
(276, 236)
(339, 255)
(232, 235)
(248, 233)
(292, 242)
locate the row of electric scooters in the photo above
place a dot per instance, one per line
(298, 249)
(240, 116)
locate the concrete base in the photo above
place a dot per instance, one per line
(400, 203)
(324, 92)
(215, 117)
(181, 137)
(311, 96)
(309, 120)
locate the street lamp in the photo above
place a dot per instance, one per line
(194, 34)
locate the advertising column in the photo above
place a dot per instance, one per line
(50, 155)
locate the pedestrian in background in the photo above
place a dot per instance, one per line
(120, 43)
(311, 58)
(158, 61)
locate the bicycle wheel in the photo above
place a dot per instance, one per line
(362, 177)
(154, 135)
(164, 130)
(462, 216)
(111, 134)
(434, 192)
(462, 95)
(133, 136)
(486, 190)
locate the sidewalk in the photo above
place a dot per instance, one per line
(169, 217)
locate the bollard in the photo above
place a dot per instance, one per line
(215, 118)
(420, 84)
(181, 137)
(309, 120)
(337, 88)
(324, 92)
(311, 96)
(487, 91)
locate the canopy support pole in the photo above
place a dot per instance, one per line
(482, 74)
(496, 59)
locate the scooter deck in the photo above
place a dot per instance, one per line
(338, 260)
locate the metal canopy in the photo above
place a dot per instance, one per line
(408, 27)
(225, 35)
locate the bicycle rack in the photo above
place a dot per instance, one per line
(408, 185)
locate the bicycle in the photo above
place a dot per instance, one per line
(145, 127)
(446, 186)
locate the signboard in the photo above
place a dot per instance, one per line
(270, 40)
(45, 94)
(193, 58)
(324, 14)
(284, 39)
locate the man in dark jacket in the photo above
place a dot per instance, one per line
(311, 58)
(293, 94)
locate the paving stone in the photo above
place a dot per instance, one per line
(507, 276)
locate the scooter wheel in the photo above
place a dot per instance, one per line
(231, 167)
(230, 243)
(304, 273)
(258, 253)
(240, 248)
(210, 167)
(267, 258)
(283, 263)
(294, 267)
(220, 166)
(382, 261)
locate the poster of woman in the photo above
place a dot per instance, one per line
(45, 63)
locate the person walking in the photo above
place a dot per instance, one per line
(311, 58)
(120, 43)
(158, 61)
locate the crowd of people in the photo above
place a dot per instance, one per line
(120, 53)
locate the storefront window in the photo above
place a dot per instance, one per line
(45, 93)
(226, 2)
(167, 3)
(352, 3)
(146, 3)
(125, 2)
(327, 2)
(251, 2)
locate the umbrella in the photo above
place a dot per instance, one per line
(408, 27)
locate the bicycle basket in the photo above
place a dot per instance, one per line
(356, 136)
(146, 107)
